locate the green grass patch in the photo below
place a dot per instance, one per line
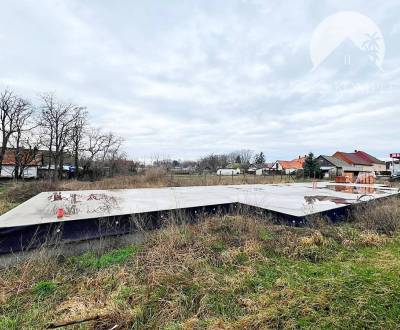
(264, 278)
(44, 288)
(224, 304)
(8, 323)
(115, 257)
(218, 246)
(265, 235)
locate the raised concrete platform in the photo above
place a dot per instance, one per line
(84, 211)
(296, 199)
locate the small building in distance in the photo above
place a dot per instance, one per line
(252, 169)
(366, 162)
(331, 167)
(29, 161)
(228, 171)
(289, 166)
(378, 165)
(264, 169)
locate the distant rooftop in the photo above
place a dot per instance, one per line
(352, 158)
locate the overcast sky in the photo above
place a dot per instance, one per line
(187, 78)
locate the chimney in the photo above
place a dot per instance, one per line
(355, 150)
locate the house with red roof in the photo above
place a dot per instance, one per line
(289, 166)
(361, 159)
(377, 164)
(28, 161)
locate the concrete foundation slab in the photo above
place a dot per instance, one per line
(81, 212)
(296, 199)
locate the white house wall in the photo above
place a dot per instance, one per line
(228, 171)
(7, 171)
(379, 167)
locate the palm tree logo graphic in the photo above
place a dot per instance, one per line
(371, 46)
(342, 26)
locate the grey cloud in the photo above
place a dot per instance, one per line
(188, 78)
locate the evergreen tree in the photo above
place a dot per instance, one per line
(311, 166)
(259, 158)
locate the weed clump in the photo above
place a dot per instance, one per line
(381, 216)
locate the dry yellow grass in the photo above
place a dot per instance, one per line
(229, 272)
(156, 178)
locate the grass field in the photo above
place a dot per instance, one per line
(226, 272)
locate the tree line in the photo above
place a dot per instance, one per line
(62, 129)
(59, 128)
(241, 158)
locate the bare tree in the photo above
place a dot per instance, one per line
(58, 121)
(101, 148)
(77, 137)
(116, 160)
(233, 157)
(213, 162)
(112, 144)
(24, 142)
(245, 156)
(115, 157)
(8, 114)
(95, 144)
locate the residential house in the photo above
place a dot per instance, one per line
(378, 165)
(252, 169)
(331, 167)
(264, 169)
(355, 159)
(29, 163)
(289, 166)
